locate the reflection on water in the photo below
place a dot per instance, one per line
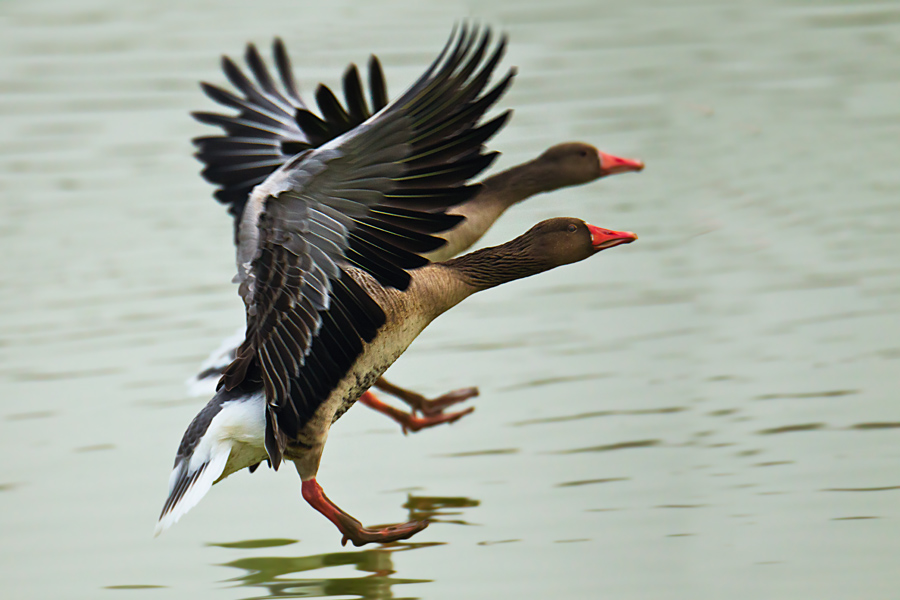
(275, 574)
(253, 544)
(438, 509)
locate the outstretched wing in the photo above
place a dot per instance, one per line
(274, 124)
(371, 199)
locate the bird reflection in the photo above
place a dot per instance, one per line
(437, 509)
(276, 573)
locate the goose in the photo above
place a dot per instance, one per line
(331, 271)
(274, 125)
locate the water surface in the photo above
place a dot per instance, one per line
(709, 412)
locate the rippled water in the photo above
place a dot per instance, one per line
(710, 412)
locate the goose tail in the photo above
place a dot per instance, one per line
(189, 482)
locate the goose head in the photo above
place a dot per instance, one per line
(566, 240)
(575, 163)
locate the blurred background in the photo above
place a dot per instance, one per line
(709, 412)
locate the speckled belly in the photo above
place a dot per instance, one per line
(405, 318)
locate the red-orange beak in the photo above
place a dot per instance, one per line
(601, 239)
(610, 165)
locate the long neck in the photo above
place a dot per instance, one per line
(490, 267)
(518, 183)
(498, 193)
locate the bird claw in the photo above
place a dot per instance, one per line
(436, 406)
(410, 422)
(351, 528)
(360, 535)
(434, 416)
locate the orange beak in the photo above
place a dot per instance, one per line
(610, 165)
(601, 239)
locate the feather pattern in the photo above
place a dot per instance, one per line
(273, 123)
(225, 437)
(354, 202)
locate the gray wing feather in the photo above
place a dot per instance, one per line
(339, 205)
(304, 233)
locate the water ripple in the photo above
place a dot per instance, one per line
(489, 452)
(792, 428)
(667, 410)
(591, 481)
(611, 447)
(876, 425)
(866, 489)
(806, 395)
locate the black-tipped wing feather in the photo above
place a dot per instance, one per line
(273, 124)
(372, 199)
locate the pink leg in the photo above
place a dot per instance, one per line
(408, 421)
(350, 527)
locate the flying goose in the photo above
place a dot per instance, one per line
(272, 126)
(335, 288)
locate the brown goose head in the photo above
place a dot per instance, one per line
(547, 245)
(565, 240)
(575, 163)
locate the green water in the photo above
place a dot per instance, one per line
(709, 412)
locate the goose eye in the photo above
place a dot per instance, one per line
(572, 228)
(582, 153)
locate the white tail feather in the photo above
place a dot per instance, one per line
(212, 470)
